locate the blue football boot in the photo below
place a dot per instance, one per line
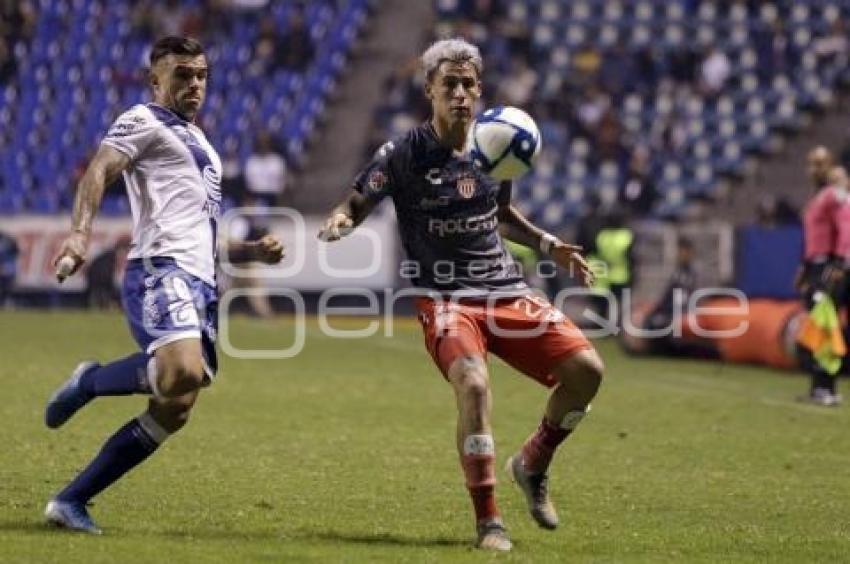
(71, 515)
(68, 399)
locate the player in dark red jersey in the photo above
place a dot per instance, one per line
(474, 300)
(820, 272)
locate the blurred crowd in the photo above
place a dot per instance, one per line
(290, 48)
(584, 101)
(17, 24)
(256, 178)
(273, 38)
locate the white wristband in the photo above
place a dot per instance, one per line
(546, 242)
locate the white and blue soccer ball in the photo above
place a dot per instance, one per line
(504, 142)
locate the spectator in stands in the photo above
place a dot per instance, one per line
(265, 172)
(517, 37)
(589, 225)
(775, 212)
(167, 18)
(609, 140)
(517, 87)
(245, 228)
(266, 58)
(715, 71)
(8, 64)
(586, 63)
(232, 179)
(638, 191)
(142, 20)
(786, 212)
(682, 283)
(772, 47)
(683, 63)
(483, 12)
(102, 274)
(614, 253)
(483, 21)
(832, 45)
(8, 267)
(217, 18)
(592, 106)
(195, 22)
(672, 135)
(401, 107)
(12, 21)
(618, 72)
(401, 89)
(646, 69)
(295, 49)
(18, 19)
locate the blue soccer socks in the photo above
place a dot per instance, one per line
(124, 450)
(122, 377)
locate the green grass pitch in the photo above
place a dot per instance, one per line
(346, 454)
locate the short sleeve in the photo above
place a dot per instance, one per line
(132, 132)
(376, 179)
(503, 196)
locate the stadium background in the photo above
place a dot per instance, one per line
(686, 116)
(691, 117)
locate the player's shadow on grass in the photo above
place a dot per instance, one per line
(390, 539)
(30, 527)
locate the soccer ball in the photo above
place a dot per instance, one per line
(504, 142)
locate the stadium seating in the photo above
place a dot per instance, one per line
(721, 129)
(81, 69)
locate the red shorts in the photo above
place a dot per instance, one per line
(526, 332)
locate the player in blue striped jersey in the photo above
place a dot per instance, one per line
(169, 294)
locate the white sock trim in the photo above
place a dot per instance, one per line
(152, 428)
(479, 445)
(573, 418)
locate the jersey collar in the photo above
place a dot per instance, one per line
(172, 111)
(435, 140)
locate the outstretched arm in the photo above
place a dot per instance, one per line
(104, 169)
(266, 249)
(515, 227)
(350, 213)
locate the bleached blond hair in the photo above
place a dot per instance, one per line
(454, 50)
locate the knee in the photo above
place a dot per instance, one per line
(174, 414)
(181, 377)
(585, 372)
(593, 371)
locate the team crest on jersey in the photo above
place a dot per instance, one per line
(377, 180)
(210, 176)
(466, 186)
